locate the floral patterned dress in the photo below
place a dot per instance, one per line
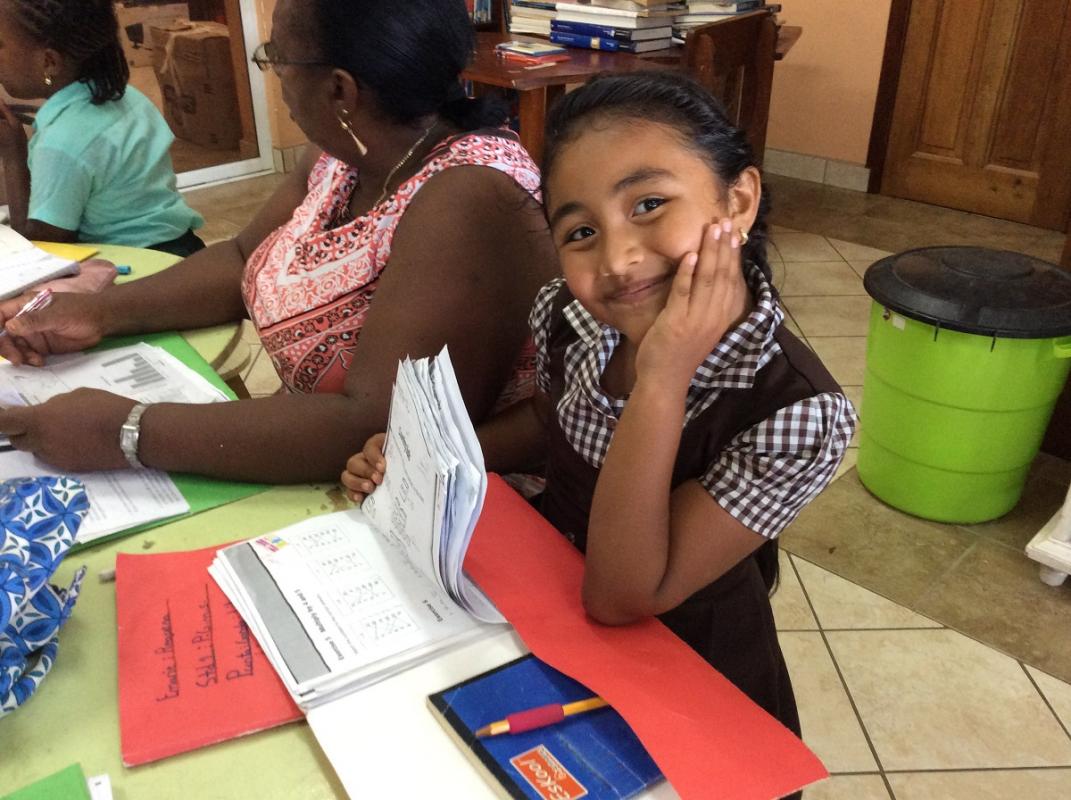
(309, 286)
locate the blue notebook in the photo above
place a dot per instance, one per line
(593, 755)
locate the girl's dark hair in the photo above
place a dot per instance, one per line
(85, 31)
(409, 53)
(673, 100)
(676, 101)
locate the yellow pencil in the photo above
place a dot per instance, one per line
(521, 721)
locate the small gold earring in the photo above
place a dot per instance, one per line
(48, 80)
(743, 237)
(349, 129)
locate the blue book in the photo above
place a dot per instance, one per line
(593, 754)
(589, 42)
(608, 32)
(611, 45)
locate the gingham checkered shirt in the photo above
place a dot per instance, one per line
(767, 473)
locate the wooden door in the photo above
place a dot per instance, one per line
(982, 118)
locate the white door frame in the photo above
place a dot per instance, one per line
(251, 166)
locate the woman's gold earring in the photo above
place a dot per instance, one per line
(349, 129)
(743, 237)
(48, 80)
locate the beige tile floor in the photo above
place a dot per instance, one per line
(898, 705)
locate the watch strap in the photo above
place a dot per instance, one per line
(130, 434)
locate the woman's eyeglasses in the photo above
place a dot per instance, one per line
(266, 57)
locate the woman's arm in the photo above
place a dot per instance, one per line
(205, 288)
(515, 440)
(202, 290)
(467, 260)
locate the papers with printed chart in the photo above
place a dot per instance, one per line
(341, 601)
(118, 499)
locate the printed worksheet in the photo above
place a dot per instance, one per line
(336, 601)
(119, 499)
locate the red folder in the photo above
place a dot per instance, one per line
(190, 672)
(708, 737)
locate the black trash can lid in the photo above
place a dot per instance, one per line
(975, 290)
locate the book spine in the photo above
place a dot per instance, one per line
(589, 42)
(583, 29)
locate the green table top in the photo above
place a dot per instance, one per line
(74, 717)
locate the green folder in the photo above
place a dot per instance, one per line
(67, 784)
(202, 493)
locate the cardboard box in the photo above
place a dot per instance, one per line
(135, 20)
(192, 62)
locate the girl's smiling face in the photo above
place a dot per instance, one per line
(628, 199)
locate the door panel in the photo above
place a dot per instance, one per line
(981, 116)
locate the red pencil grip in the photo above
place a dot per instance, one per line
(535, 718)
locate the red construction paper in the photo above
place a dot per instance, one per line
(708, 737)
(190, 672)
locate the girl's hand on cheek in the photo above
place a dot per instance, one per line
(707, 293)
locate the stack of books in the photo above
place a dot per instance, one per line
(702, 12)
(635, 26)
(530, 55)
(531, 17)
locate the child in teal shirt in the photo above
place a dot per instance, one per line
(98, 166)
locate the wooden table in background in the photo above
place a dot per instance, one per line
(540, 87)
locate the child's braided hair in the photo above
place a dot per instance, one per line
(85, 31)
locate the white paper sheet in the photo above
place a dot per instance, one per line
(23, 264)
(119, 499)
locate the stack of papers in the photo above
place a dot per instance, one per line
(341, 601)
(118, 499)
(23, 264)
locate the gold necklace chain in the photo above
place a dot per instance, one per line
(401, 163)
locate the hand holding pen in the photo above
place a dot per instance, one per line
(36, 303)
(63, 322)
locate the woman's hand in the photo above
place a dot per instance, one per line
(364, 471)
(707, 295)
(71, 322)
(12, 134)
(75, 432)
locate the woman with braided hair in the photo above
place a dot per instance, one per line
(98, 166)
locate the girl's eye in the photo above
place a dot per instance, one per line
(583, 232)
(647, 205)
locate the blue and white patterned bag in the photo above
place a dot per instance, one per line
(39, 518)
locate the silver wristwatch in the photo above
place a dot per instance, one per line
(130, 433)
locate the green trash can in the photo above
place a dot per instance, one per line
(967, 352)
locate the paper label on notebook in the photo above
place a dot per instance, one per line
(547, 776)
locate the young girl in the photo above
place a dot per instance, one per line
(98, 167)
(683, 427)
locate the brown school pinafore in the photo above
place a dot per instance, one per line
(729, 622)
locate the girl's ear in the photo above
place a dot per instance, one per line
(744, 197)
(52, 63)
